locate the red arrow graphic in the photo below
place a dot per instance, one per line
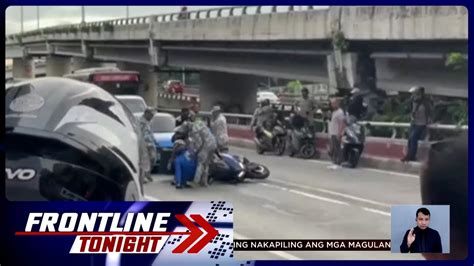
(195, 233)
(209, 229)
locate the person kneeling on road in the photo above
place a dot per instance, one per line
(184, 164)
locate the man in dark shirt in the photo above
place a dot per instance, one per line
(356, 105)
(183, 117)
(421, 239)
(420, 119)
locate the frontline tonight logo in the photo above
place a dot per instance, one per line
(113, 232)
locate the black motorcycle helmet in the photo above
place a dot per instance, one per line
(69, 140)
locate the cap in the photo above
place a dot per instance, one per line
(215, 108)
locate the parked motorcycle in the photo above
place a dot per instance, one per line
(274, 140)
(353, 143)
(305, 136)
(307, 148)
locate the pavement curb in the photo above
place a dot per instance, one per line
(386, 164)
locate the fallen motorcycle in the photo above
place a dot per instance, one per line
(233, 168)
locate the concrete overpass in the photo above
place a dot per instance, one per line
(389, 47)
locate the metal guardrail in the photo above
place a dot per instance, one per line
(222, 12)
(244, 119)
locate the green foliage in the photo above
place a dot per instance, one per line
(456, 61)
(72, 29)
(459, 112)
(294, 86)
(108, 26)
(393, 110)
(84, 29)
(339, 41)
(95, 28)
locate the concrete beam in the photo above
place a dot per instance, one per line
(68, 49)
(402, 74)
(23, 68)
(37, 49)
(57, 66)
(305, 68)
(14, 51)
(311, 24)
(122, 53)
(405, 23)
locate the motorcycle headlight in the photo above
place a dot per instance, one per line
(241, 174)
(242, 165)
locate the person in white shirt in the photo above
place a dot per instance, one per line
(336, 127)
(219, 129)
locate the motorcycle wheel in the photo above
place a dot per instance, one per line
(280, 146)
(257, 171)
(307, 151)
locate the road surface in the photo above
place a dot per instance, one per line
(302, 199)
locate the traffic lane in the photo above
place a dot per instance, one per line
(383, 187)
(269, 212)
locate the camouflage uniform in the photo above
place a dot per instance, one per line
(203, 144)
(149, 143)
(219, 129)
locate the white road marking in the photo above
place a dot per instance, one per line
(281, 254)
(320, 162)
(343, 195)
(309, 195)
(305, 194)
(377, 211)
(390, 172)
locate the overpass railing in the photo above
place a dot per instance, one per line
(244, 120)
(223, 12)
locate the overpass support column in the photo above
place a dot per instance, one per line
(349, 70)
(237, 93)
(23, 68)
(149, 81)
(58, 66)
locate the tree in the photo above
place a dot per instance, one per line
(294, 86)
(456, 61)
